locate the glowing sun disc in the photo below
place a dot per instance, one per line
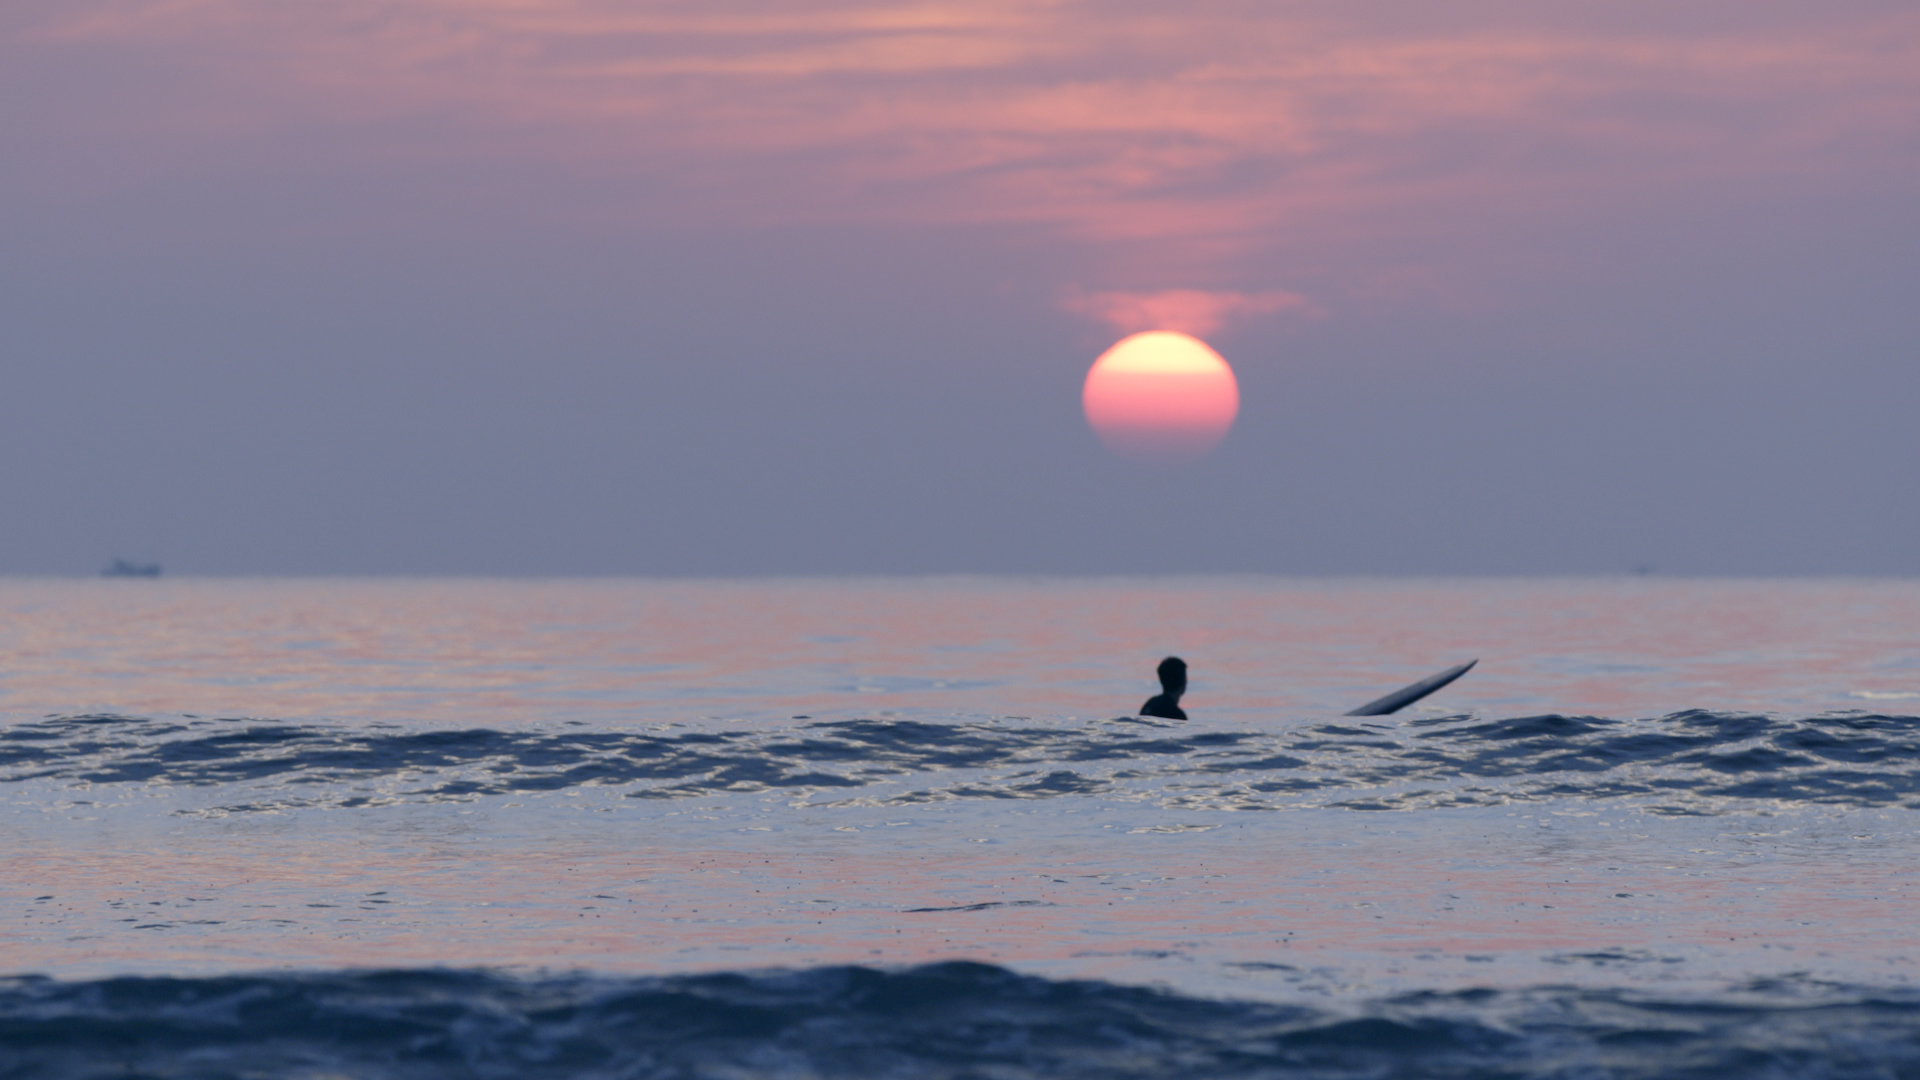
(1161, 396)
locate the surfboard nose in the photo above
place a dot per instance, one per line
(1407, 695)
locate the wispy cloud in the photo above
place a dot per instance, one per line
(1228, 129)
(1191, 311)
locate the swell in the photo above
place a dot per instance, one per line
(1684, 763)
(943, 1020)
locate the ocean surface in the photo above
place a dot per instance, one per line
(910, 828)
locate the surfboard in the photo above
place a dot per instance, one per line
(1407, 695)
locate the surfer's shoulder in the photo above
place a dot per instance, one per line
(1159, 705)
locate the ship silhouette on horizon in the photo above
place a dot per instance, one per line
(129, 568)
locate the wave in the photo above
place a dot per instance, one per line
(1694, 762)
(943, 1020)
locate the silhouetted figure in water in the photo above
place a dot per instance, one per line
(1173, 683)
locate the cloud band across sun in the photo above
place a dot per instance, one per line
(1197, 312)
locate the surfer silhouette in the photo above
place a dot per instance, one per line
(1173, 683)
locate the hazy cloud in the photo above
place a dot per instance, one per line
(1224, 131)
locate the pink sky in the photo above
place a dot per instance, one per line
(326, 281)
(1232, 146)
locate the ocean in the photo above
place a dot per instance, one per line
(912, 828)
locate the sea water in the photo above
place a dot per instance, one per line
(911, 828)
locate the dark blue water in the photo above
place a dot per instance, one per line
(943, 1020)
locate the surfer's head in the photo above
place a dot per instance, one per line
(1173, 676)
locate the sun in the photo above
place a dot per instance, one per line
(1161, 396)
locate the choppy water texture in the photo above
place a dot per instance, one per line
(905, 828)
(1693, 762)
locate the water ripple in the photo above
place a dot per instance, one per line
(1684, 763)
(943, 1020)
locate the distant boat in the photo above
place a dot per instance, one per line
(129, 568)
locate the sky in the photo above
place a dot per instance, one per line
(532, 287)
